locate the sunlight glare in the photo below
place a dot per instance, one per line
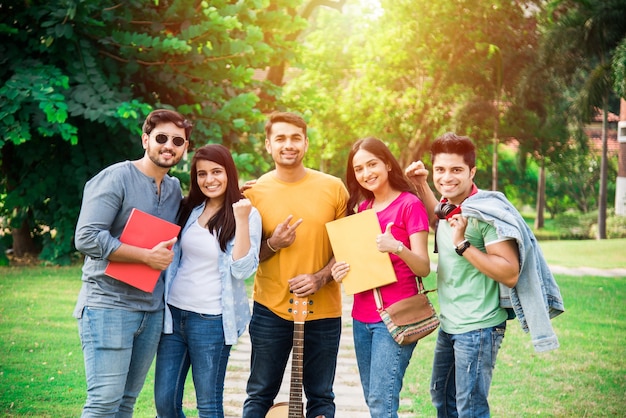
(371, 7)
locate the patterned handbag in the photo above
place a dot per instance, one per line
(410, 319)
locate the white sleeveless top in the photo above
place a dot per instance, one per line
(197, 286)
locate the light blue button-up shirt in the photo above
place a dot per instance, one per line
(235, 303)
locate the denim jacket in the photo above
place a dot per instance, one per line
(536, 298)
(235, 304)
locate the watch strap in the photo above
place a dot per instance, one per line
(460, 249)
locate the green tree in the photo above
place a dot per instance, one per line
(407, 72)
(276, 71)
(78, 77)
(537, 117)
(574, 185)
(583, 40)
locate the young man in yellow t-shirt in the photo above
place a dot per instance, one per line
(295, 203)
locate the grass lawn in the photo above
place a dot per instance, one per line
(42, 374)
(585, 377)
(606, 254)
(603, 254)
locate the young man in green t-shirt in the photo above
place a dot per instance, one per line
(473, 260)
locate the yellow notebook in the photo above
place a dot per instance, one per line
(353, 239)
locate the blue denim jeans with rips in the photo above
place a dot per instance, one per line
(462, 370)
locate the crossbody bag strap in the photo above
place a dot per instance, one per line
(378, 299)
(420, 287)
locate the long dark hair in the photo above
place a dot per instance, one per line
(397, 179)
(223, 222)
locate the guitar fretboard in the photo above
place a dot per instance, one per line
(295, 391)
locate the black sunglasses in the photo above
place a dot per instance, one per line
(177, 140)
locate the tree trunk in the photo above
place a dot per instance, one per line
(494, 168)
(276, 73)
(22, 240)
(603, 173)
(541, 196)
(496, 122)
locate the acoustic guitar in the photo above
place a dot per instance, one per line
(294, 408)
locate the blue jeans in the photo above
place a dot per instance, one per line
(382, 363)
(118, 347)
(272, 339)
(462, 371)
(197, 341)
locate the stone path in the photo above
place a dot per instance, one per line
(588, 271)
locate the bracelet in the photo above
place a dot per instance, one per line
(267, 241)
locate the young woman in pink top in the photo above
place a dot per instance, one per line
(376, 181)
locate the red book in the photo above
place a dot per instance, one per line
(145, 231)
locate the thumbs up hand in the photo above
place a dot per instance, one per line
(385, 242)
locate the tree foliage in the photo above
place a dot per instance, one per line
(408, 71)
(584, 39)
(78, 77)
(619, 69)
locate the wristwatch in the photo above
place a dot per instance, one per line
(399, 250)
(461, 247)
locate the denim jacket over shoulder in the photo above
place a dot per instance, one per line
(235, 304)
(536, 298)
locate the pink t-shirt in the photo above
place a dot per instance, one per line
(409, 216)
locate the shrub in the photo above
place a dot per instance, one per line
(576, 225)
(573, 225)
(616, 227)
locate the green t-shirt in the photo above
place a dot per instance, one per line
(468, 299)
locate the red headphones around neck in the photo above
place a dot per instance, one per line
(445, 210)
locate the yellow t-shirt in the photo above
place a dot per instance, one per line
(318, 198)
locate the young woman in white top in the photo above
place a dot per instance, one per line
(207, 306)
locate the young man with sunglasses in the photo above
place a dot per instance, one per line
(120, 325)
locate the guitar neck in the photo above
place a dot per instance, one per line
(297, 359)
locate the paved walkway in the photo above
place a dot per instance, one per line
(349, 395)
(588, 271)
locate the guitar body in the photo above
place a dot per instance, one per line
(280, 410)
